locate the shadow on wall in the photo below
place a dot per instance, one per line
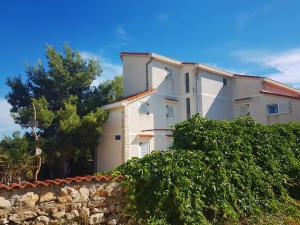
(220, 106)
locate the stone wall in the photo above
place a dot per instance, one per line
(79, 200)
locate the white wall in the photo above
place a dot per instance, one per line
(156, 119)
(258, 109)
(282, 118)
(216, 99)
(109, 151)
(158, 79)
(134, 74)
(245, 87)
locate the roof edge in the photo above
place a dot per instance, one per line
(124, 101)
(278, 94)
(65, 181)
(175, 62)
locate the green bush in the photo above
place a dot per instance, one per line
(218, 172)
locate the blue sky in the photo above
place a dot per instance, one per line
(258, 37)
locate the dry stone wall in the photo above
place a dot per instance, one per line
(81, 200)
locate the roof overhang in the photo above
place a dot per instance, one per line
(279, 95)
(128, 99)
(174, 62)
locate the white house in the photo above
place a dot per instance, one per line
(160, 92)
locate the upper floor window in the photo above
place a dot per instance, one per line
(188, 108)
(187, 82)
(170, 83)
(144, 108)
(170, 111)
(225, 82)
(144, 149)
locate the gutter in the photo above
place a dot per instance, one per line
(147, 73)
(197, 95)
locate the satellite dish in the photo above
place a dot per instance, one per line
(38, 151)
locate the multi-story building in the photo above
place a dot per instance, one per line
(160, 92)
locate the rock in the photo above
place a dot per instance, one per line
(47, 197)
(112, 208)
(54, 222)
(112, 188)
(68, 194)
(49, 208)
(113, 219)
(98, 192)
(41, 213)
(84, 193)
(41, 220)
(97, 218)
(4, 221)
(73, 214)
(84, 212)
(105, 210)
(28, 199)
(58, 215)
(21, 216)
(4, 203)
(118, 208)
(95, 210)
(99, 203)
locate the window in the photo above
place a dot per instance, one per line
(170, 110)
(244, 110)
(144, 148)
(118, 137)
(188, 108)
(187, 82)
(144, 108)
(225, 82)
(170, 83)
(272, 109)
(279, 108)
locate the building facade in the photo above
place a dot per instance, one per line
(160, 92)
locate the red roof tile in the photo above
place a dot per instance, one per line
(278, 94)
(138, 95)
(35, 184)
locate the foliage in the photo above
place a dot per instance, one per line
(16, 159)
(219, 172)
(107, 92)
(69, 119)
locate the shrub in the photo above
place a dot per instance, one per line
(218, 172)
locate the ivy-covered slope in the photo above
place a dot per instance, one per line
(218, 172)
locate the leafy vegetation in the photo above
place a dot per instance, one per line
(68, 107)
(219, 172)
(15, 158)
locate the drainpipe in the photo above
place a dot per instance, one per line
(197, 95)
(147, 74)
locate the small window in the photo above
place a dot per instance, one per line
(225, 82)
(272, 109)
(144, 108)
(170, 83)
(144, 148)
(118, 137)
(284, 107)
(170, 110)
(187, 82)
(244, 110)
(188, 108)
